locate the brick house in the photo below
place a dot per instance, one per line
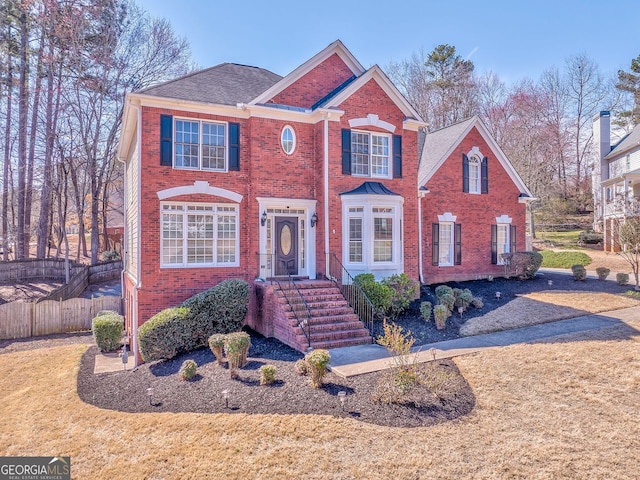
(236, 172)
(616, 179)
(472, 204)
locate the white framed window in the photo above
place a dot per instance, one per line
(502, 241)
(445, 242)
(382, 234)
(198, 235)
(474, 174)
(370, 154)
(288, 140)
(200, 145)
(355, 220)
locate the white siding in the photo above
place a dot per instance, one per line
(619, 166)
(131, 216)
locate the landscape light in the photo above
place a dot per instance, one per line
(225, 395)
(150, 393)
(342, 396)
(498, 295)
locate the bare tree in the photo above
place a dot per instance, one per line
(627, 242)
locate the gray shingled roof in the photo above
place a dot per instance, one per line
(224, 84)
(629, 142)
(438, 143)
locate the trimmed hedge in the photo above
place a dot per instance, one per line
(220, 309)
(107, 328)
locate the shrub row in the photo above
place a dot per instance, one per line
(220, 309)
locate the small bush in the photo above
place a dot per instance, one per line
(188, 370)
(590, 237)
(301, 367)
(525, 265)
(551, 259)
(403, 291)
(216, 344)
(162, 335)
(110, 255)
(395, 340)
(425, 311)
(107, 330)
(318, 361)
(443, 290)
(463, 298)
(236, 348)
(267, 374)
(477, 302)
(622, 278)
(579, 272)
(448, 300)
(380, 295)
(440, 314)
(603, 273)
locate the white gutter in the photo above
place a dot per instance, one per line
(420, 238)
(326, 195)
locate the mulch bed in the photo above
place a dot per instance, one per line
(290, 394)
(426, 332)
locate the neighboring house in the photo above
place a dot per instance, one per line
(616, 179)
(473, 204)
(236, 172)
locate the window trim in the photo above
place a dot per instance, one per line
(293, 139)
(505, 222)
(389, 156)
(185, 222)
(200, 122)
(475, 161)
(451, 244)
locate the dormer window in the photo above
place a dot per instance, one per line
(475, 172)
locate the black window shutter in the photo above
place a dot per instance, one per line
(465, 173)
(484, 176)
(346, 151)
(435, 243)
(166, 140)
(397, 156)
(512, 238)
(494, 244)
(458, 243)
(234, 147)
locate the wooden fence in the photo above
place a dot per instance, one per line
(29, 319)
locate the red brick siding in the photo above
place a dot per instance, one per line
(316, 84)
(476, 213)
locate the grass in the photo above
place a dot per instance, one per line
(564, 409)
(561, 239)
(552, 259)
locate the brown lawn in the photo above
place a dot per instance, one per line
(563, 409)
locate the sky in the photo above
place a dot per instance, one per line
(514, 38)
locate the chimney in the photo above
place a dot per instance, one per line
(602, 138)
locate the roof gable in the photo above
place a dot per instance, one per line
(223, 84)
(336, 48)
(439, 145)
(629, 142)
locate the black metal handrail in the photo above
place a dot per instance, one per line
(298, 305)
(352, 292)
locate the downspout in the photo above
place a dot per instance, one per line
(139, 220)
(326, 196)
(420, 237)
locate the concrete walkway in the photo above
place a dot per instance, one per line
(350, 361)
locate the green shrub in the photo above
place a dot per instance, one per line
(301, 367)
(380, 295)
(448, 300)
(425, 311)
(603, 273)
(188, 370)
(403, 290)
(590, 237)
(551, 259)
(220, 309)
(463, 298)
(164, 335)
(318, 361)
(523, 264)
(107, 330)
(443, 290)
(267, 374)
(440, 314)
(579, 272)
(477, 302)
(622, 278)
(236, 348)
(216, 344)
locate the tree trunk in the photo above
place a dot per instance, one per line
(5, 169)
(23, 106)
